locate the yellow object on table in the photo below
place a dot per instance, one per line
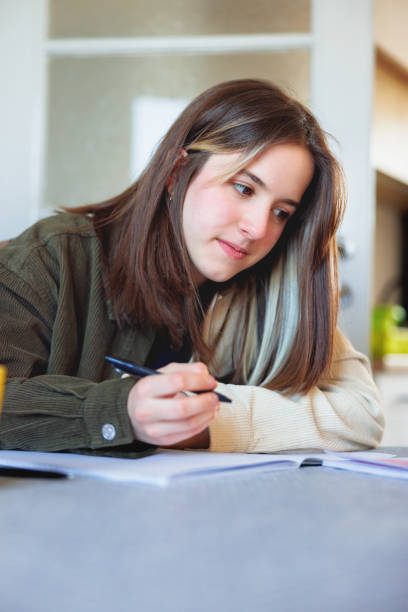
(3, 374)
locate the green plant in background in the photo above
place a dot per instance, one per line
(387, 335)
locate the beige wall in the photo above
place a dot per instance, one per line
(390, 28)
(390, 122)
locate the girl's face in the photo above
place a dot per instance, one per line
(230, 225)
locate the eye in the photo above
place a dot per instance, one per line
(281, 214)
(243, 190)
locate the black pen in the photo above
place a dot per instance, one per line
(135, 370)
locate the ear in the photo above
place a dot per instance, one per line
(173, 174)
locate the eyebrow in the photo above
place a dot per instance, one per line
(260, 182)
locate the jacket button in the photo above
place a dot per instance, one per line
(108, 431)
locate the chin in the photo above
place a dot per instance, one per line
(220, 277)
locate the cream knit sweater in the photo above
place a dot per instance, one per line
(341, 413)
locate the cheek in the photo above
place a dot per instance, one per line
(272, 238)
(206, 209)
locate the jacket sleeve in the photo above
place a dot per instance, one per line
(48, 410)
(343, 412)
(55, 412)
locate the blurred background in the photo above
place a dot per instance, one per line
(89, 86)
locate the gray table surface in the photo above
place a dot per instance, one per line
(306, 539)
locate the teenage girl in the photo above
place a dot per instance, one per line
(217, 267)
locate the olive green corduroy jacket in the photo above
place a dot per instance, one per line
(55, 329)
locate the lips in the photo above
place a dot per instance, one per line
(231, 249)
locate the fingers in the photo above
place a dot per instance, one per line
(182, 428)
(195, 366)
(166, 432)
(161, 415)
(169, 384)
(186, 440)
(179, 408)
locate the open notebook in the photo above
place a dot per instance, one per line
(166, 466)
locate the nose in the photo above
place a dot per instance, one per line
(254, 224)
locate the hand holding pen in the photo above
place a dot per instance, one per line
(159, 411)
(133, 369)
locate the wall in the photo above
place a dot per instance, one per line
(390, 120)
(390, 29)
(390, 158)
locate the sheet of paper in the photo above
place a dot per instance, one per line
(165, 466)
(382, 464)
(157, 469)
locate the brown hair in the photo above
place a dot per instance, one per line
(148, 271)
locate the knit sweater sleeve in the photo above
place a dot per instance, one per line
(343, 412)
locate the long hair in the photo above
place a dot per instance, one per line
(285, 305)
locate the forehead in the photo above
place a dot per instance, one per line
(288, 158)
